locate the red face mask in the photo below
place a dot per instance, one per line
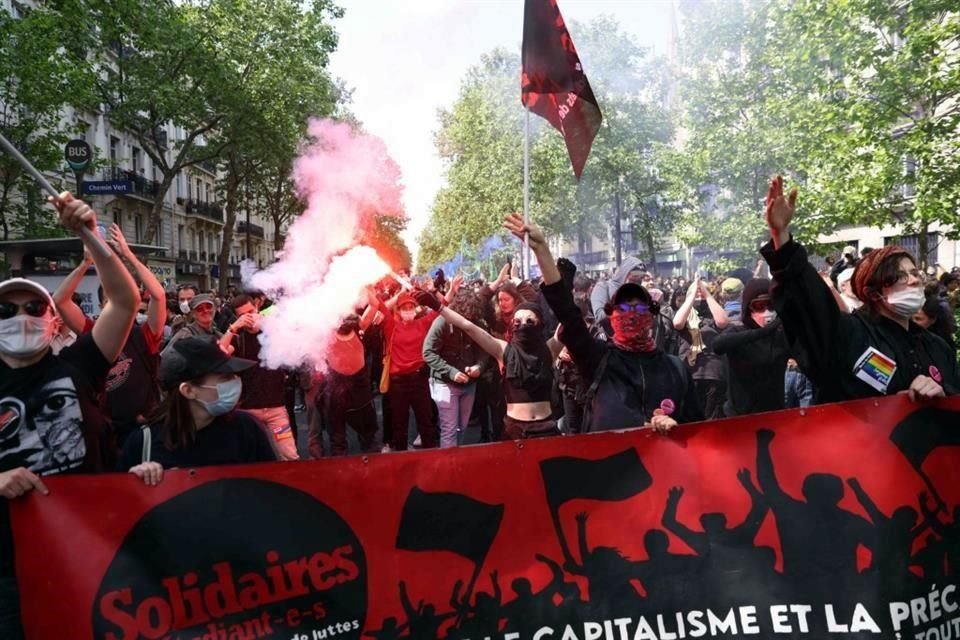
(633, 331)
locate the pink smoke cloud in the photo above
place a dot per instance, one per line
(346, 179)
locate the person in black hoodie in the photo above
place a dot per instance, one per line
(756, 353)
(633, 384)
(876, 351)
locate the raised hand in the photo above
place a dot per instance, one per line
(780, 211)
(515, 225)
(674, 495)
(74, 213)
(743, 475)
(118, 241)
(426, 299)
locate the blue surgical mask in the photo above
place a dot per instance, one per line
(228, 394)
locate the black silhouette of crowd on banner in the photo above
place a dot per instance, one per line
(914, 552)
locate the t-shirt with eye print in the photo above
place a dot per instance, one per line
(50, 421)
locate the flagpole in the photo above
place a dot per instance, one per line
(525, 249)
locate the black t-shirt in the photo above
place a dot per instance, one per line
(235, 438)
(132, 388)
(262, 388)
(50, 421)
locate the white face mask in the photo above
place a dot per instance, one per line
(184, 307)
(407, 316)
(141, 318)
(906, 302)
(228, 394)
(764, 318)
(23, 336)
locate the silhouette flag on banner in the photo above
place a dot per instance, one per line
(448, 522)
(553, 84)
(615, 477)
(921, 432)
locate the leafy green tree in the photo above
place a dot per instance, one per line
(854, 100)
(38, 83)
(481, 139)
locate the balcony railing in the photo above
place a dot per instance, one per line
(255, 229)
(141, 185)
(210, 210)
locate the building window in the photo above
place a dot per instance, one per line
(180, 237)
(135, 159)
(114, 150)
(197, 196)
(159, 241)
(138, 227)
(912, 244)
(118, 218)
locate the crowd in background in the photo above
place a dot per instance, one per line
(167, 379)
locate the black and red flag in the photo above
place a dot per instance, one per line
(553, 84)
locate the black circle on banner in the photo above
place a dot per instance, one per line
(235, 558)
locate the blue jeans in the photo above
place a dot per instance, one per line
(797, 389)
(454, 403)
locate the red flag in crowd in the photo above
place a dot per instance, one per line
(553, 84)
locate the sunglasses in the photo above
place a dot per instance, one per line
(35, 308)
(627, 308)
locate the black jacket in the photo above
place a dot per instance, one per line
(447, 351)
(833, 341)
(632, 385)
(756, 365)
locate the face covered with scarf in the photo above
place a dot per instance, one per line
(632, 321)
(526, 332)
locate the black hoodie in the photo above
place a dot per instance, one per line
(756, 359)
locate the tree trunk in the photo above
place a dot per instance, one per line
(923, 246)
(230, 214)
(156, 210)
(651, 251)
(4, 201)
(277, 224)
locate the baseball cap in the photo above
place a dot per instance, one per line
(405, 298)
(732, 285)
(196, 356)
(628, 291)
(203, 298)
(849, 250)
(22, 284)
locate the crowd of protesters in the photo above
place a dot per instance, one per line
(167, 379)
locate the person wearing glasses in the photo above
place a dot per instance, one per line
(50, 421)
(756, 353)
(632, 383)
(876, 351)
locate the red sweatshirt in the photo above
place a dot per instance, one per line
(406, 349)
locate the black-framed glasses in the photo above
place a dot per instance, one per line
(640, 307)
(36, 308)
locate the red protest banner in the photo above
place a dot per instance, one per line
(836, 521)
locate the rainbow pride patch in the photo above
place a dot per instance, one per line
(876, 369)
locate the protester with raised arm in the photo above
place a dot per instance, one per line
(633, 384)
(526, 364)
(132, 388)
(876, 351)
(55, 424)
